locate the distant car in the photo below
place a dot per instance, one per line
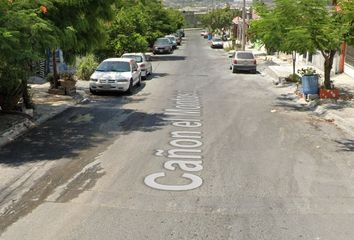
(173, 40)
(243, 61)
(178, 38)
(182, 32)
(217, 42)
(203, 33)
(143, 62)
(163, 45)
(115, 74)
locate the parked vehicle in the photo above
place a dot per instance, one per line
(243, 61)
(182, 32)
(143, 62)
(115, 74)
(203, 33)
(217, 42)
(163, 45)
(173, 40)
(178, 38)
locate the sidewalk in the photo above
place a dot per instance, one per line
(340, 112)
(46, 107)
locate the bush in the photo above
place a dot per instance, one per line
(293, 78)
(87, 66)
(11, 87)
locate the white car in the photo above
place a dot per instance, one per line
(217, 42)
(143, 62)
(243, 61)
(116, 74)
(203, 33)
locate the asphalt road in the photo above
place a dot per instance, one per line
(196, 153)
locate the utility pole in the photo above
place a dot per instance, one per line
(244, 25)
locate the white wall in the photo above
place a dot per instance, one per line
(349, 70)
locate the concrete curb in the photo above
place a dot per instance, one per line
(22, 127)
(340, 122)
(320, 111)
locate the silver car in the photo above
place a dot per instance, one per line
(217, 42)
(243, 61)
(115, 74)
(143, 62)
(163, 45)
(173, 40)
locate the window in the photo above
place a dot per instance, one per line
(113, 66)
(245, 55)
(137, 58)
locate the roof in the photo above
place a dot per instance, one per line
(118, 60)
(138, 54)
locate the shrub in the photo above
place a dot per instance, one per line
(87, 66)
(293, 78)
(11, 87)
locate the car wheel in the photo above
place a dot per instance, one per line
(139, 82)
(93, 91)
(130, 89)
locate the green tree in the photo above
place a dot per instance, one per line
(24, 36)
(220, 18)
(79, 26)
(136, 26)
(305, 26)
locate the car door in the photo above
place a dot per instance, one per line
(135, 72)
(147, 63)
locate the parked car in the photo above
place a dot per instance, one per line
(115, 74)
(243, 61)
(182, 32)
(173, 40)
(163, 45)
(143, 62)
(178, 38)
(203, 33)
(217, 42)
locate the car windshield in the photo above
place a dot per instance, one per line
(162, 41)
(217, 40)
(114, 66)
(137, 58)
(245, 55)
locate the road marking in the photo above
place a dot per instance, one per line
(186, 140)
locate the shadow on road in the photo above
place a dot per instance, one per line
(158, 75)
(168, 58)
(287, 102)
(346, 145)
(77, 130)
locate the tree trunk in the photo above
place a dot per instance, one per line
(25, 95)
(55, 73)
(294, 63)
(327, 69)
